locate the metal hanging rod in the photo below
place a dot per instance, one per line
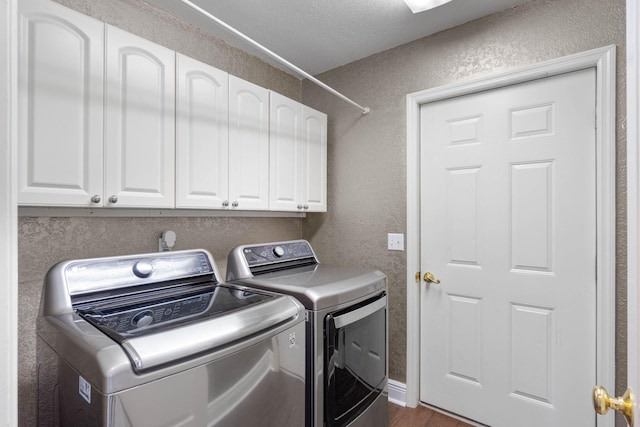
(274, 55)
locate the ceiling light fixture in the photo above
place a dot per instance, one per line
(417, 6)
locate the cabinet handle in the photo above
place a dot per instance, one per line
(306, 207)
(95, 199)
(234, 204)
(225, 203)
(113, 199)
(300, 207)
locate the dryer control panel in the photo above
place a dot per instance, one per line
(278, 252)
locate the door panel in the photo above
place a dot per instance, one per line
(60, 119)
(202, 135)
(508, 226)
(248, 145)
(140, 122)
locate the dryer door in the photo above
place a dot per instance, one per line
(355, 359)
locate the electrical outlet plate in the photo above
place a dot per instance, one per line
(395, 242)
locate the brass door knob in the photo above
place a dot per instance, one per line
(602, 402)
(430, 278)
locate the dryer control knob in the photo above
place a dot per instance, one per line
(142, 269)
(278, 251)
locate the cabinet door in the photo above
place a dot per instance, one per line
(140, 122)
(248, 145)
(60, 109)
(314, 155)
(286, 147)
(202, 135)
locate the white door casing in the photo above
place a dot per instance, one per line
(633, 202)
(508, 226)
(8, 215)
(603, 59)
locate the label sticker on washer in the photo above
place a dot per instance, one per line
(292, 339)
(84, 388)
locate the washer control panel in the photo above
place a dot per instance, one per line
(94, 275)
(277, 253)
(128, 320)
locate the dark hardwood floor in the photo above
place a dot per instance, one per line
(420, 417)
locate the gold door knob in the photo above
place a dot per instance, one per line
(602, 402)
(430, 278)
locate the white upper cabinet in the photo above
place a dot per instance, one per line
(60, 110)
(285, 131)
(140, 122)
(248, 145)
(314, 160)
(202, 135)
(298, 174)
(110, 119)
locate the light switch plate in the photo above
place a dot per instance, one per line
(395, 242)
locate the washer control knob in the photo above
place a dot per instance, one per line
(143, 269)
(142, 319)
(278, 251)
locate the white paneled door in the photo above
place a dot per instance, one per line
(139, 122)
(508, 336)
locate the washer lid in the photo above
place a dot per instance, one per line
(152, 350)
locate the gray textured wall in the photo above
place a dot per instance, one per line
(45, 241)
(367, 153)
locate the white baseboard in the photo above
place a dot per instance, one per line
(397, 392)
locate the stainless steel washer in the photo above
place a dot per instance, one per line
(158, 340)
(346, 328)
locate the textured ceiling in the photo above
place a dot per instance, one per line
(319, 35)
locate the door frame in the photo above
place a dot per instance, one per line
(633, 200)
(604, 61)
(8, 217)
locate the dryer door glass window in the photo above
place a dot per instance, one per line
(355, 359)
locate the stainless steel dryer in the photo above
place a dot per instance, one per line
(346, 328)
(158, 340)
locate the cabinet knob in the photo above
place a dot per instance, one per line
(306, 207)
(113, 199)
(225, 203)
(300, 207)
(234, 204)
(95, 199)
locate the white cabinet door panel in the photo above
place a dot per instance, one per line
(248, 145)
(298, 145)
(285, 146)
(202, 135)
(139, 138)
(60, 105)
(314, 155)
